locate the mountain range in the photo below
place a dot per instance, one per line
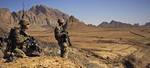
(41, 15)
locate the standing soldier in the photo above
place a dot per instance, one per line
(16, 37)
(61, 36)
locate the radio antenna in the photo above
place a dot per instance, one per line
(23, 11)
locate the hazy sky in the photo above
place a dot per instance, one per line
(93, 11)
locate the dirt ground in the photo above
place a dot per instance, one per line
(103, 47)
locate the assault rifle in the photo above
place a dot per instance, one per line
(32, 47)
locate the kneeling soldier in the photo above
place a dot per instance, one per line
(16, 37)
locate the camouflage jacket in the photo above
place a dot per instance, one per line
(59, 32)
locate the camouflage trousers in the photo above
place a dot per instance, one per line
(64, 49)
(19, 53)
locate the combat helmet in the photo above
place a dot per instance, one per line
(60, 21)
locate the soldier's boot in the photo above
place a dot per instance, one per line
(61, 52)
(61, 49)
(66, 50)
(10, 58)
(65, 54)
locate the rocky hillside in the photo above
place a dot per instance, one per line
(6, 19)
(113, 24)
(38, 15)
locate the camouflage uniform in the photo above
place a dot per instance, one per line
(59, 32)
(17, 37)
(20, 48)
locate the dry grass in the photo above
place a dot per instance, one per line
(112, 44)
(40, 62)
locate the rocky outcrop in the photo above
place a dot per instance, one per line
(117, 24)
(103, 24)
(42, 15)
